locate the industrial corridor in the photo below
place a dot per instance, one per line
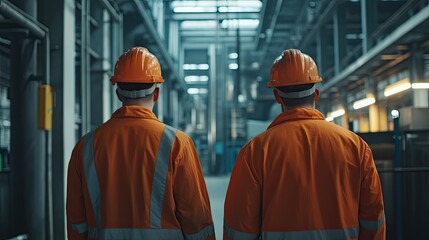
(214, 119)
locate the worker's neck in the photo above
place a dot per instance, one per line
(287, 108)
(146, 105)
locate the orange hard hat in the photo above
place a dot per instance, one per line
(137, 65)
(293, 68)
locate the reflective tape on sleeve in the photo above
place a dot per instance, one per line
(372, 225)
(91, 175)
(327, 234)
(160, 176)
(201, 235)
(134, 233)
(79, 227)
(237, 235)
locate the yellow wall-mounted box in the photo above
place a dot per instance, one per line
(45, 107)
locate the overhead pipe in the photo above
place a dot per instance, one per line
(153, 32)
(23, 19)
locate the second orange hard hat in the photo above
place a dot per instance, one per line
(137, 65)
(293, 67)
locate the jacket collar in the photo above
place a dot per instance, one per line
(297, 114)
(134, 112)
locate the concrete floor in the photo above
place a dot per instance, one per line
(216, 187)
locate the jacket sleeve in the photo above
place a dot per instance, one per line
(190, 194)
(242, 216)
(76, 216)
(372, 224)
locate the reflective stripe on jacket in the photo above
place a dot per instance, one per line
(304, 178)
(137, 178)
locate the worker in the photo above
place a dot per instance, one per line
(134, 177)
(304, 177)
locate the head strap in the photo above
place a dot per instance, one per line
(300, 94)
(137, 93)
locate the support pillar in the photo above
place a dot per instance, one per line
(368, 22)
(63, 77)
(363, 123)
(420, 96)
(101, 67)
(28, 143)
(339, 37)
(322, 56)
(374, 118)
(212, 106)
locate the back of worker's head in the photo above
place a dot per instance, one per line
(294, 76)
(137, 75)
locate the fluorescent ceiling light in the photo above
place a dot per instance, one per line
(195, 66)
(217, 3)
(176, 4)
(363, 103)
(194, 9)
(397, 87)
(197, 90)
(233, 66)
(338, 113)
(240, 23)
(233, 55)
(198, 24)
(329, 119)
(194, 78)
(420, 85)
(239, 9)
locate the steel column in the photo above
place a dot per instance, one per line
(85, 65)
(211, 138)
(322, 46)
(417, 68)
(64, 83)
(339, 37)
(368, 23)
(28, 157)
(398, 178)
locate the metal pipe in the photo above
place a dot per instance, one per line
(48, 134)
(22, 19)
(112, 11)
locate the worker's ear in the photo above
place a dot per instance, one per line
(155, 94)
(119, 96)
(277, 96)
(316, 95)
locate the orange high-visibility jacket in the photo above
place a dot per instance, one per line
(304, 178)
(136, 178)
